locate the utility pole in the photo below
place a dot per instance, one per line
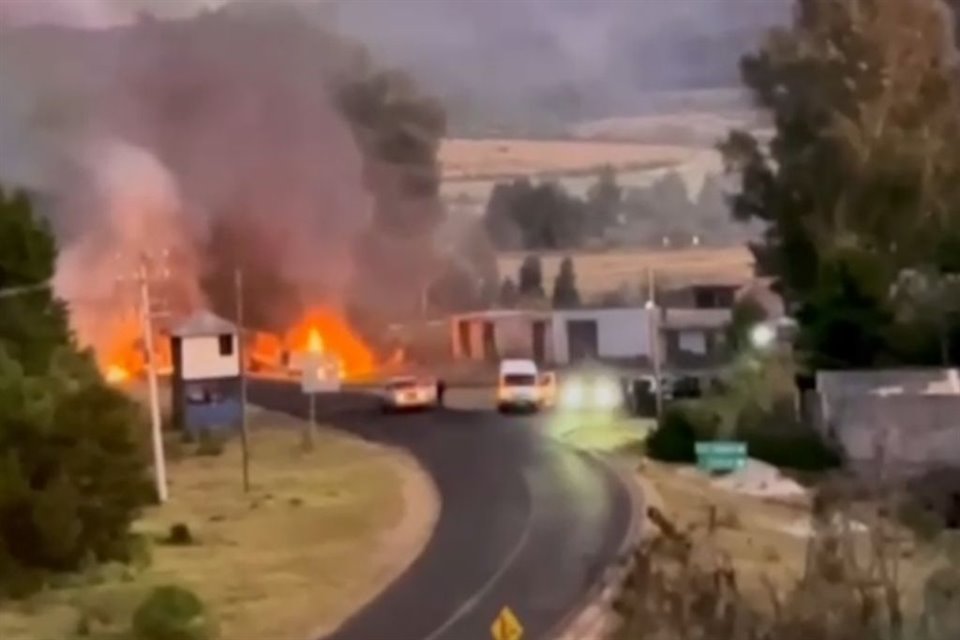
(159, 461)
(241, 354)
(654, 323)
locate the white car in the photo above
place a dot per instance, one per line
(409, 393)
(521, 386)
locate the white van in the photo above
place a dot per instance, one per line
(519, 386)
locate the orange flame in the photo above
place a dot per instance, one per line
(315, 341)
(124, 357)
(325, 331)
(116, 374)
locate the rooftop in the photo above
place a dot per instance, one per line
(889, 382)
(203, 323)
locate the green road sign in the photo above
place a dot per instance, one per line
(721, 456)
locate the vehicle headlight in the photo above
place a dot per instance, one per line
(606, 394)
(573, 395)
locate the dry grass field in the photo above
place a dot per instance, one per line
(463, 159)
(602, 272)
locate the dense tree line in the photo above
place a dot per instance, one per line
(860, 186)
(524, 214)
(72, 474)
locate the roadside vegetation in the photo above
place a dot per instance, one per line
(863, 226)
(72, 477)
(734, 569)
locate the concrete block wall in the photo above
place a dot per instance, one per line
(914, 432)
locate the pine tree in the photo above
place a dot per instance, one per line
(530, 278)
(508, 295)
(32, 322)
(565, 293)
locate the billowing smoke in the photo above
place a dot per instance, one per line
(244, 136)
(530, 64)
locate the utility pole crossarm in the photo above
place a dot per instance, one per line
(12, 292)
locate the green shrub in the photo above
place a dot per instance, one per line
(172, 613)
(682, 425)
(798, 448)
(72, 479)
(180, 535)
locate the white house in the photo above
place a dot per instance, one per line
(206, 372)
(555, 337)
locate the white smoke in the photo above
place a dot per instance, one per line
(96, 14)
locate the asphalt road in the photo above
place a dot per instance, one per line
(524, 522)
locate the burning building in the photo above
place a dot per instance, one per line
(248, 137)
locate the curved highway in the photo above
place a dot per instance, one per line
(524, 522)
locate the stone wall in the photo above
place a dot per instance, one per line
(913, 432)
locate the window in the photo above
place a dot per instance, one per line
(519, 380)
(582, 339)
(463, 335)
(226, 344)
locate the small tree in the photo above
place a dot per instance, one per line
(530, 278)
(565, 293)
(604, 200)
(508, 295)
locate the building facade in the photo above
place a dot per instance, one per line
(555, 337)
(206, 380)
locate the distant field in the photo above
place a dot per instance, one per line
(599, 273)
(472, 167)
(486, 159)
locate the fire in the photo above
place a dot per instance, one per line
(325, 331)
(124, 357)
(315, 341)
(115, 374)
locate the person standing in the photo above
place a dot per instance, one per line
(441, 389)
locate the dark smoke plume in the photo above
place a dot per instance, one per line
(248, 135)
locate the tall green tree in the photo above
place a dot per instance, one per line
(32, 322)
(530, 278)
(524, 215)
(861, 179)
(604, 201)
(565, 293)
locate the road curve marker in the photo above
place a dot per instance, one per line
(506, 626)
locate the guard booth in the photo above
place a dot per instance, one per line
(206, 386)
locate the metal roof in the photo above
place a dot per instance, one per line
(696, 318)
(203, 323)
